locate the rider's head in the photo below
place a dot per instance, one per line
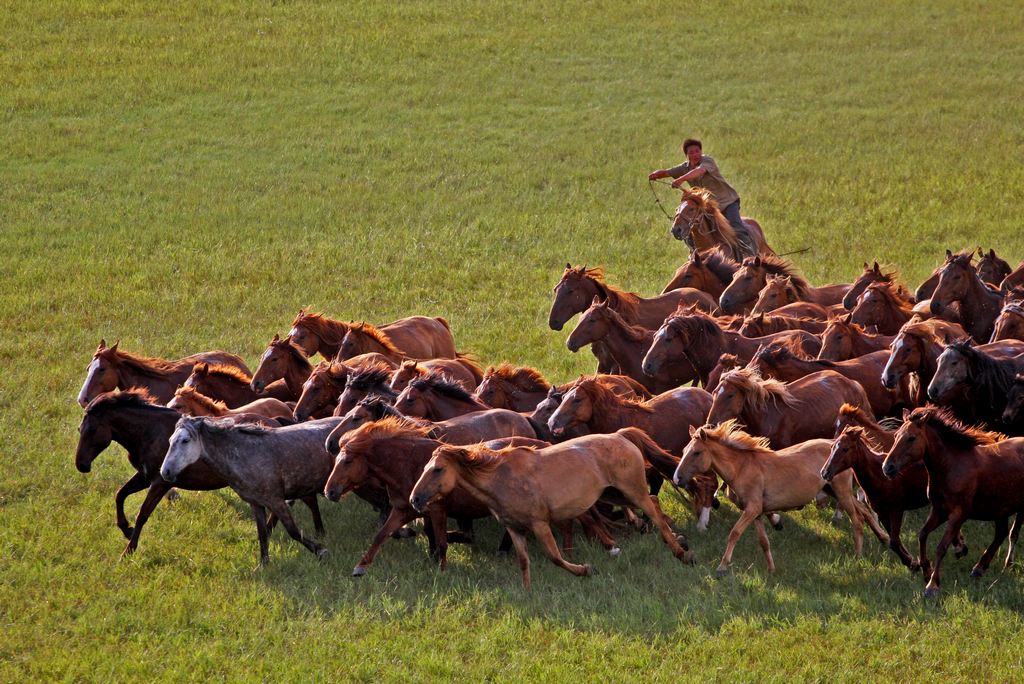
(693, 151)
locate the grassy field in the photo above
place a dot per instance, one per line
(185, 176)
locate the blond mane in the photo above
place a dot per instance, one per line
(758, 391)
(363, 438)
(731, 435)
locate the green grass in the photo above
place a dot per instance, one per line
(185, 177)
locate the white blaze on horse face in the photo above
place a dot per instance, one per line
(83, 397)
(183, 451)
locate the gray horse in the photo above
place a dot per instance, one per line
(266, 467)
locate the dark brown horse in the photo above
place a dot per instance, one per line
(965, 370)
(708, 270)
(462, 370)
(1013, 281)
(283, 359)
(135, 420)
(702, 224)
(759, 325)
(785, 413)
(415, 337)
(365, 381)
(626, 345)
(741, 294)
(871, 274)
(232, 385)
(694, 336)
(972, 475)
(992, 269)
(435, 397)
(1013, 414)
(844, 340)
(778, 361)
(112, 368)
(979, 303)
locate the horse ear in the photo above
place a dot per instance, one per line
(876, 269)
(760, 317)
(757, 260)
(597, 300)
(695, 257)
(201, 368)
(277, 338)
(113, 347)
(866, 266)
(991, 254)
(102, 345)
(847, 318)
(693, 430)
(568, 266)
(949, 254)
(906, 415)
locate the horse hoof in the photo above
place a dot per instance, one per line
(321, 553)
(914, 567)
(589, 571)
(977, 572)
(777, 523)
(931, 592)
(173, 495)
(721, 572)
(404, 533)
(358, 571)
(683, 542)
(614, 551)
(128, 550)
(961, 552)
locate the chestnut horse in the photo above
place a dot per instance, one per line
(702, 225)
(871, 274)
(881, 309)
(364, 382)
(844, 340)
(963, 369)
(778, 361)
(521, 388)
(434, 397)
(785, 413)
(190, 402)
(461, 370)
(992, 269)
(759, 325)
(708, 270)
(765, 481)
(232, 385)
(782, 293)
(112, 368)
(143, 427)
(695, 336)
(528, 489)
(979, 303)
(1014, 280)
(321, 390)
(972, 475)
(315, 332)
(1009, 324)
(855, 416)
(282, 359)
(415, 337)
(626, 345)
(752, 275)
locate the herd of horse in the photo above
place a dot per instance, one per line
(739, 380)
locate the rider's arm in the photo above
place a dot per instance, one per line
(689, 176)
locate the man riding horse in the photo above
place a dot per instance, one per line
(700, 170)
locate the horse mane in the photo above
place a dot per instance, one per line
(230, 372)
(730, 434)
(788, 348)
(144, 365)
(365, 436)
(777, 266)
(617, 298)
(604, 398)
(478, 458)
(332, 332)
(221, 426)
(758, 391)
(133, 397)
(709, 206)
(695, 324)
(988, 374)
(890, 293)
(635, 333)
(721, 264)
(369, 377)
(953, 431)
(208, 403)
(295, 351)
(862, 418)
(378, 335)
(915, 327)
(844, 321)
(437, 381)
(523, 377)
(860, 434)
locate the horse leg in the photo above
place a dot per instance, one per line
(519, 541)
(748, 516)
(594, 528)
(872, 520)
(396, 518)
(542, 531)
(896, 544)
(153, 496)
(284, 514)
(314, 508)
(438, 524)
(136, 483)
(567, 538)
(935, 518)
(463, 535)
(762, 537)
(649, 505)
(262, 532)
(931, 590)
(844, 495)
(1014, 534)
(1002, 529)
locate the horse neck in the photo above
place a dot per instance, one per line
(401, 467)
(726, 463)
(863, 344)
(939, 459)
(608, 416)
(479, 485)
(136, 431)
(620, 302)
(444, 408)
(152, 379)
(295, 377)
(867, 466)
(980, 307)
(621, 345)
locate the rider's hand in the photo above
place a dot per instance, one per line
(655, 175)
(677, 183)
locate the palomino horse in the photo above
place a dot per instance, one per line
(282, 359)
(626, 345)
(112, 368)
(963, 369)
(461, 370)
(415, 337)
(709, 270)
(785, 413)
(870, 274)
(758, 325)
(191, 402)
(694, 336)
(778, 361)
(844, 340)
(232, 385)
(765, 481)
(992, 269)
(143, 428)
(1009, 324)
(700, 223)
(979, 303)
(752, 276)
(972, 475)
(266, 467)
(528, 489)
(435, 397)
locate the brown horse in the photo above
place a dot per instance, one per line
(1015, 404)
(855, 416)
(1013, 281)
(871, 274)
(315, 332)
(435, 397)
(415, 337)
(461, 370)
(112, 368)
(366, 381)
(143, 427)
(521, 388)
(972, 475)
(701, 223)
(759, 325)
(726, 363)
(881, 309)
(191, 402)
(694, 336)
(979, 303)
(854, 450)
(1009, 324)
(765, 481)
(785, 413)
(992, 269)
(282, 359)
(963, 369)
(232, 385)
(778, 361)
(529, 489)
(752, 276)
(626, 345)
(844, 340)
(321, 390)
(782, 293)
(708, 270)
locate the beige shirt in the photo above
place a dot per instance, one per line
(724, 193)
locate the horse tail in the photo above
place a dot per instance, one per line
(443, 321)
(662, 461)
(470, 362)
